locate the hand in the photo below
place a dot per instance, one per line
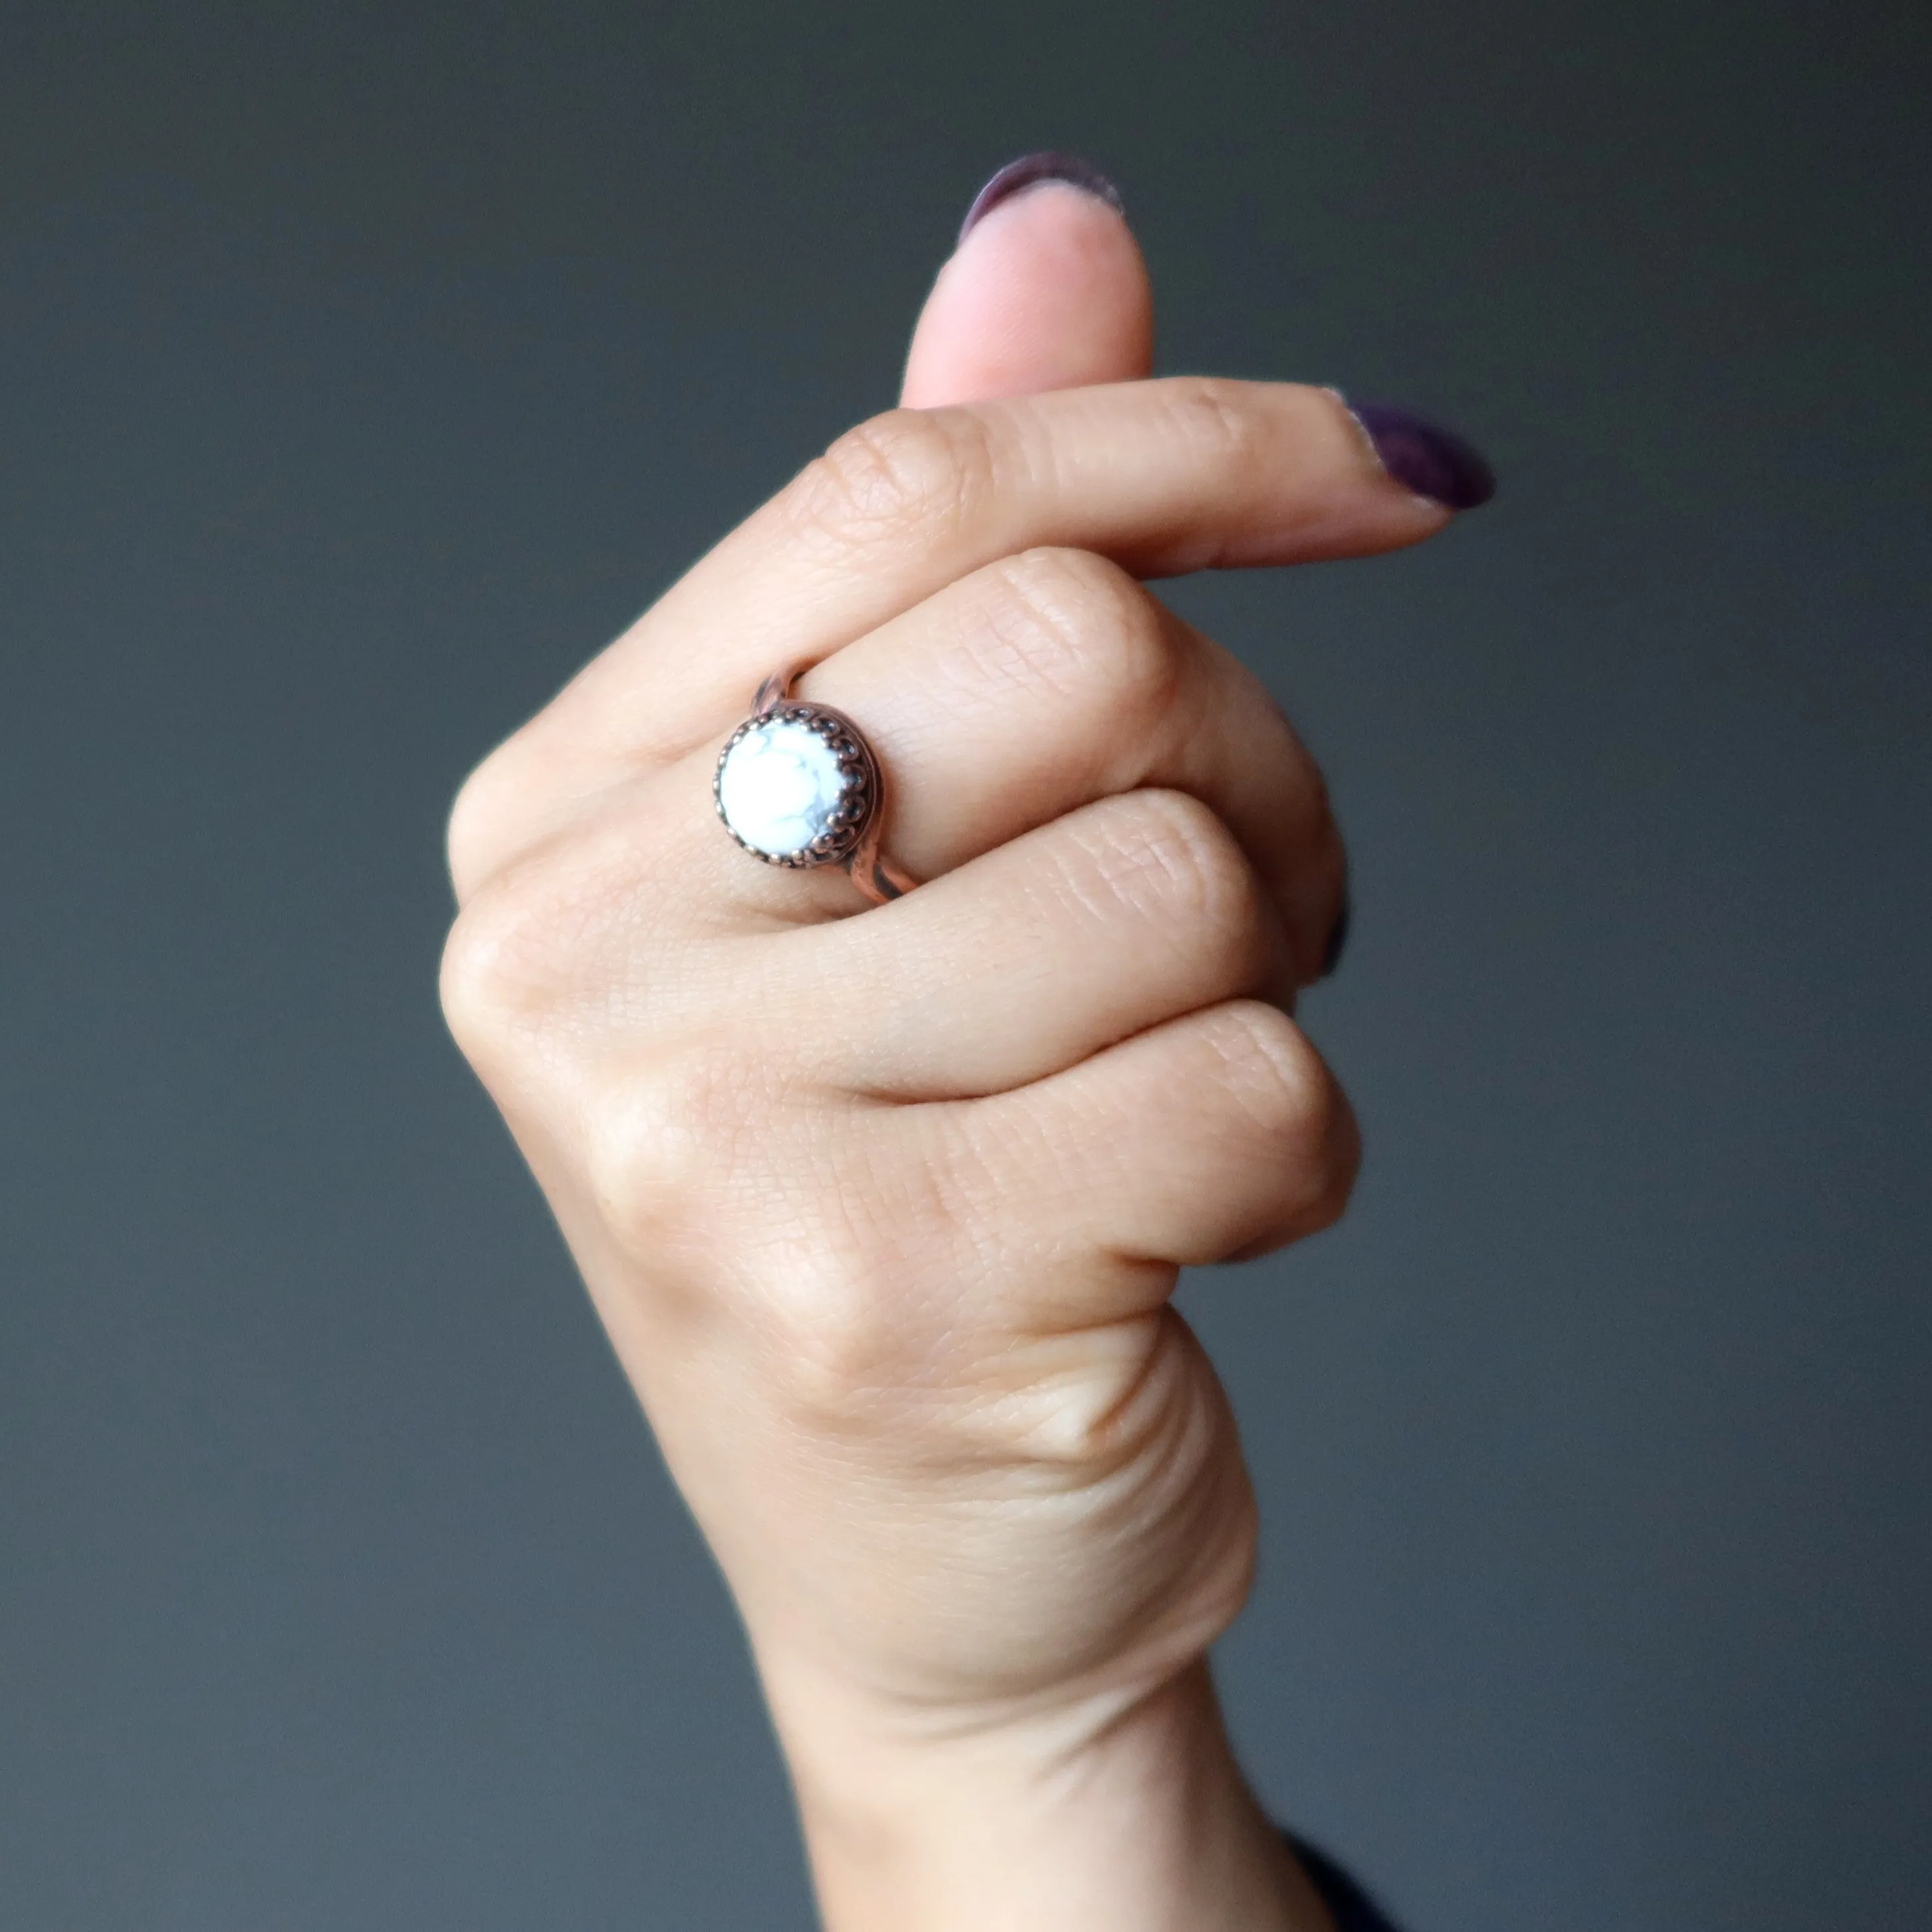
(883, 1213)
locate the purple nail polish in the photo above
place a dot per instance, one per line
(1029, 171)
(1433, 462)
(1338, 935)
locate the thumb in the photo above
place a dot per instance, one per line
(1045, 290)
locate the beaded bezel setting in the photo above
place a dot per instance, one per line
(845, 825)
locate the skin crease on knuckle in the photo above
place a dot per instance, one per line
(1221, 415)
(1133, 679)
(546, 950)
(1166, 854)
(1073, 626)
(1218, 419)
(862, 1309)
(1284, 1111)
(1075, 634)
(1155, 866)
(1237, 1119)
(1127, 664)
(908, 479)
(672, 1140)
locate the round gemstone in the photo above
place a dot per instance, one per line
(779, 787)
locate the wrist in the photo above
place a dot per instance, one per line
(1125, 1812)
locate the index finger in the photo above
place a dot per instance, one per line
(1163, 477)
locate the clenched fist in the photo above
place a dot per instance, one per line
(882, 1206)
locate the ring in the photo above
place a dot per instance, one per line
(798, 786)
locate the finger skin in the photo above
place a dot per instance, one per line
(1048, 291)
(1039, 685)
(1052, 679)
(1220, 1133)
(1047, 949)
(1162, 477)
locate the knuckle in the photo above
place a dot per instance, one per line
(482, 983)
(1084, 628)
(557, 932)
(1264, 1063)
(837, 1342)
(856, 1307)
(1217, 417)
(574, 933)
(666, 1144)
(1287, 1100)
(477, 817)
(1170, 857)
(708, 1169)
(909, 473)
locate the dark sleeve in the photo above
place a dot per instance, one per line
(1348, 1905)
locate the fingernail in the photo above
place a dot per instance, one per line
(1030, 171)
(1422, 456)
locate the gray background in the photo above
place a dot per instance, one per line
(363, 367)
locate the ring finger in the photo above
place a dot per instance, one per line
(1048, 680)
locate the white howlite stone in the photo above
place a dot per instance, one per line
(779, 787)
